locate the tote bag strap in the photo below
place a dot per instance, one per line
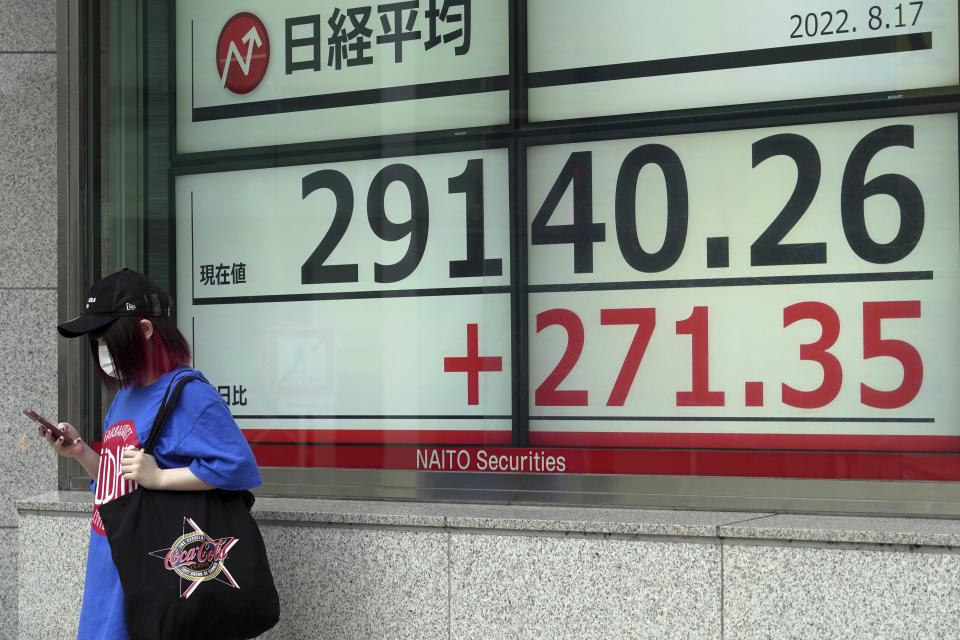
(166, 407)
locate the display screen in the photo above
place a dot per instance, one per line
(772, 294)
(722, 288)
(589, 59)
(294, 71)
(364, 301)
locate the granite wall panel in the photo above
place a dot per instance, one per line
(350, 583)
(28, 25)
(28, 171)
(796, 591)
(28, 265)
(52, 560)
(28, 378)
(519, 587)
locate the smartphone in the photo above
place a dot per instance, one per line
(56, 431)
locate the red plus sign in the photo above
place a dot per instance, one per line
(472, 364)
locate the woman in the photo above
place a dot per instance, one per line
(141, 351)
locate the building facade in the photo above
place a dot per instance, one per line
(29, 285)
(543, 320)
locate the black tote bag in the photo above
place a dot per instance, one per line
(192, 564)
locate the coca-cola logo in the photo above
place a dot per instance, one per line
(197, 558)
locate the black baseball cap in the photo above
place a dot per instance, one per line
(124, 293)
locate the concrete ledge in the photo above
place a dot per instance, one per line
(930, 532)
(727, 525)
(61, 501)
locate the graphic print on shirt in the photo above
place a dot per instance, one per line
(110, 482)
(196, 557)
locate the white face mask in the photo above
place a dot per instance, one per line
(106, 362)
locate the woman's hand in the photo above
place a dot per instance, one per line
(72, 450)
(78, 449)
(140, 467)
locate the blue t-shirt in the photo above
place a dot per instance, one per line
(200, 434)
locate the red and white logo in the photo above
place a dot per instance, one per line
(243, 52)
(110, 482)
(196, 558)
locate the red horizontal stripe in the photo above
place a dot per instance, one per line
(588, 439)
(768, 464)
(380, 436)
(791, 441)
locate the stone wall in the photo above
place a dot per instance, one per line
(392, 570)
(28, 266)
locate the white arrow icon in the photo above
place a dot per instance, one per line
(252, 38)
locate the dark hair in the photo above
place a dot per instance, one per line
(134, 360)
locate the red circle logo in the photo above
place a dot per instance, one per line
(243, 51)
